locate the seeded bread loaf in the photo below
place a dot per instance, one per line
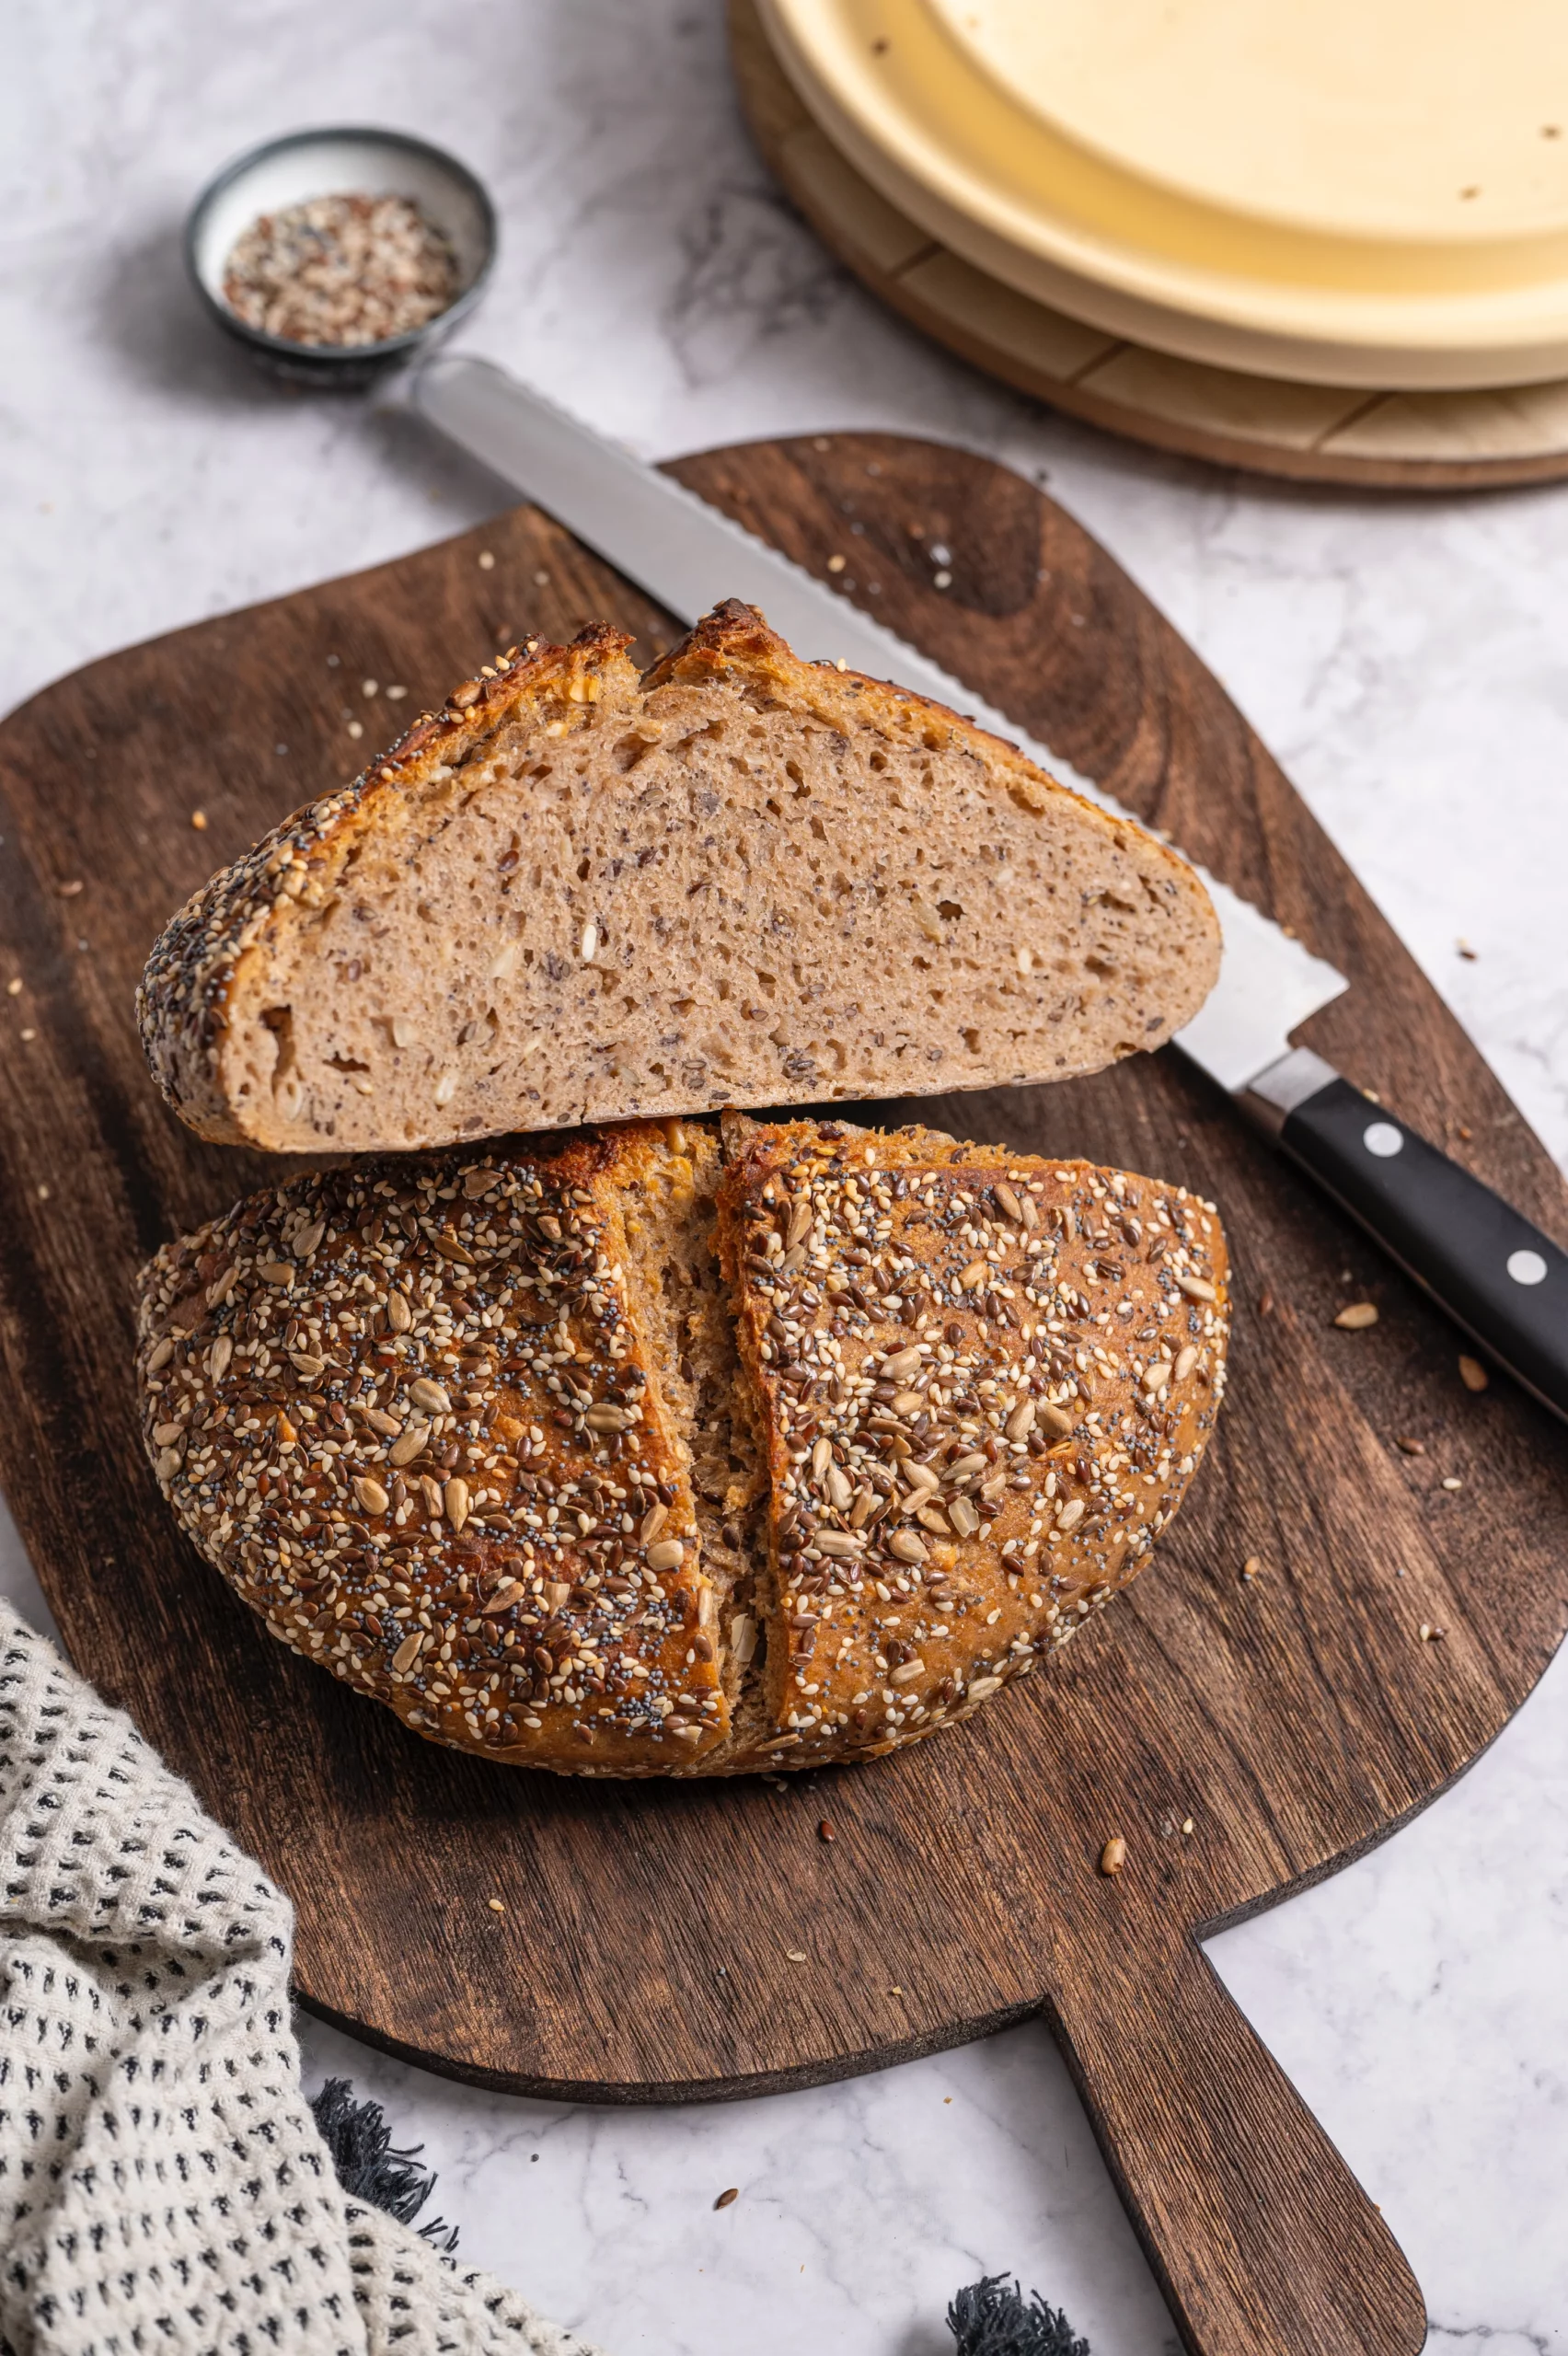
(597, 1454)
(580, 895)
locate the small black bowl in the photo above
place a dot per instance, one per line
(348, 161)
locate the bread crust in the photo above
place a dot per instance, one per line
(413, 1412)
(963, 1466)
(224, 972)
(409, 1411)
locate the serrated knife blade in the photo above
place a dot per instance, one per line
(1496, 1274)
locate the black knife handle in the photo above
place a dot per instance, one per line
(1497, 1276)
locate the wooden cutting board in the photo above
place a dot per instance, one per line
(690, 1941)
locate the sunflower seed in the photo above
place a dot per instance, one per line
(1009, 1202)
(400, 1316)
(431, 1396)
(840, 1543)
(388, 1426)
(371, 1493)
(666, 1554)
(906, 1671)
(412, 1444)
(455, 1500)
(1197, 1287)
(1185, 1362)
(962, 1516)
(1020, 1423)
(409, 1652)
(902, 1363)
(906, 1545)
(308, 1238)
(604, 1417)
(220, 1356)
(1071, 1515)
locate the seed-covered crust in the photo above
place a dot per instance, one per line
(579, 895)
(584, 1454)
(987, 1382)
(409, 1411)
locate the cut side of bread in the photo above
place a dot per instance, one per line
(580, 894)
(664, 1452)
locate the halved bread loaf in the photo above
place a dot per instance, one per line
(583, 894)
(519, 1444)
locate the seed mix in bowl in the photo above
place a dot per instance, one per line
(345, 271)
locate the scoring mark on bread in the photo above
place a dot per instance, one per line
(473, 1433)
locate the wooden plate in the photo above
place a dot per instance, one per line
(1406, 441)
(649, 1949)
(1313, 190)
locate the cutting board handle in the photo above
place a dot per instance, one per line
(1263, 2240)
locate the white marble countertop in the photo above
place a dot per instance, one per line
(1406, 660)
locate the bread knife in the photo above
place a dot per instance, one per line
(1496, 1274)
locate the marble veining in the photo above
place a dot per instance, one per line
(1405, 659)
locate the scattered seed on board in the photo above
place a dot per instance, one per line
(725, 2198)
(1472, 1374)
(1356, 1316)
(1250, 1567)
(1114, 1856)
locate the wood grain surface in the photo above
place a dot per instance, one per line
(1392, 441)
(645, 1950)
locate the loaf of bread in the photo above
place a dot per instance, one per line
(739, 879)
(670, 1451)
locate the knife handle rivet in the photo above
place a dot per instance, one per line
(1382, 1138)
(1527, 1267)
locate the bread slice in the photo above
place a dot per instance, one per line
(580, 895)
(590, 1453)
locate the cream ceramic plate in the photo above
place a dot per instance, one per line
(1342, 191)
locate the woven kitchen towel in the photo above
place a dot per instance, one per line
(163, 2187)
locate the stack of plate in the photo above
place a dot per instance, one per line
(1329, 238)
